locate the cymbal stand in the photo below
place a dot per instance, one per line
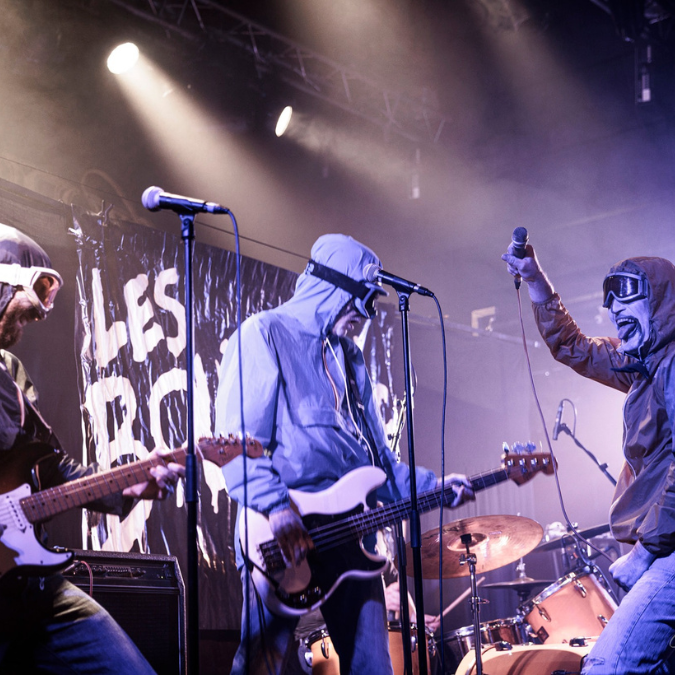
(470, 560)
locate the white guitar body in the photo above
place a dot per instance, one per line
(294, 591)
(338, 519)
(18, 544)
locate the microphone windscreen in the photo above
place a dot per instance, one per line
(370, 272)
(150, 198)
(519, 240)
(520, 236)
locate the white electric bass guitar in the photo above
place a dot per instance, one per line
(337, 520)
(20, 551)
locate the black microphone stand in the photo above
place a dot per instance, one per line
(603, 467)
(415, 535)
(191, 473)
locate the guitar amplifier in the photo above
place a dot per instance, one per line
(145, 595)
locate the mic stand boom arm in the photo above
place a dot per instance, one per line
(602, 467)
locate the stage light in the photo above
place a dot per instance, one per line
(123, 58)
(283, 121)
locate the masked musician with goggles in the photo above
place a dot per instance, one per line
(639, 294)
(47, 624)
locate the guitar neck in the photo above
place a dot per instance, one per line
(369, 521)
(50, 502)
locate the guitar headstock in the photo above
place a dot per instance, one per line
(223, 449)
(521, 462)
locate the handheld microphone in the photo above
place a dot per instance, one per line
(558, 420)
(372, 272)
(154, 199)
(519, 242)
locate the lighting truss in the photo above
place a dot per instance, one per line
(415, 118)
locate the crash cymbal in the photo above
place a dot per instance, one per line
(521, 584)
(568, 539)
(495, 541)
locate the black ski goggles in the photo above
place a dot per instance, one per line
(625, 287)
(364, 292)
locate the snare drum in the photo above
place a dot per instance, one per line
(461, 641)
(575, 606)
(325, 660)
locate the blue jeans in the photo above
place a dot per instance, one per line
(51, 626)
(640, 637)
(356, 621)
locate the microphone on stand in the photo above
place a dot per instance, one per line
(558, 419)
(154, 199)
(372, 272)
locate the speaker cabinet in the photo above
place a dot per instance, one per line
(145, 595)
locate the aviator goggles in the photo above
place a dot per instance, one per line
(625, 287)
(41, 284)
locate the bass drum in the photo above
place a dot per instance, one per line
(527, 660)
(577, 605)
(325, 661)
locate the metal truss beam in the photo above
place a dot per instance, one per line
(413, 118)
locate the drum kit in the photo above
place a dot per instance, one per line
(552, 631)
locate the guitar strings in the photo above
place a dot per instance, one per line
(330, 535)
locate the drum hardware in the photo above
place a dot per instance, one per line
(470, 559)
(543, 614)
(523, 586)
(579, 642)
(569, 539)
(503, 646)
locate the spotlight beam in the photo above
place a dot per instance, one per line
(395, 112)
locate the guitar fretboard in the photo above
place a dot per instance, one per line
(369, 521)
(47, 503)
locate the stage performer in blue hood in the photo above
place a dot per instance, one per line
(308, 399)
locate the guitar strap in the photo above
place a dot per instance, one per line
(358, 407)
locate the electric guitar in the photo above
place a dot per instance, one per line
(20, 550)
(337, 519)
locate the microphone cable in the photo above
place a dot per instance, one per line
(570, 526)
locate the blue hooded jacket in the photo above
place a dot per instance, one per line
(294, 387)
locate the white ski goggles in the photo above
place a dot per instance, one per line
(40, 283)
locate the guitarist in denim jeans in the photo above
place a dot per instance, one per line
(308, 399)
(47, 624)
